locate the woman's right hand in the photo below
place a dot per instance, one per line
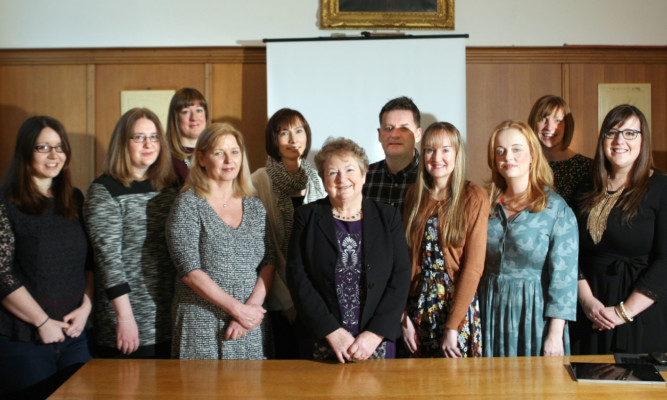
(340, 341)
(410, 336)
(594, 312)
(127, 336)
(52, 331)
(249, 315)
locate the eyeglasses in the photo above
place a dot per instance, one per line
(142, 138)
(45, 148)
(628, 134)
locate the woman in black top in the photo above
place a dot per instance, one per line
(623, 244)
(43, 255)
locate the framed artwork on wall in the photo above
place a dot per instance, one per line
(387, 14)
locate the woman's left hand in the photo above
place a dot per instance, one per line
(340, 341)
(450, 348)
(608, 319)
(553, 345)
(364, 345)
(235, 331)
(77, 320)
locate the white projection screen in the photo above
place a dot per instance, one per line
(341, 85)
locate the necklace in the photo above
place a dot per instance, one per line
(597, 219)
(351, 217)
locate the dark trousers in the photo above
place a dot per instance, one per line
(33, 371)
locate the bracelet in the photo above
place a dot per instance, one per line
(125, 321)
(45, 321)
(617, 308)
(626, 316)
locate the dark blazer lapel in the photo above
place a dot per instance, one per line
(325, 222)
(370, 235)
(372, 242)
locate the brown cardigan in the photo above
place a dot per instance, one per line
(465, 264)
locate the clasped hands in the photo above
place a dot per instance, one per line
(603, 318)
(246, 318)
(349, 348)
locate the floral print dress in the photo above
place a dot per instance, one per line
(429, 309)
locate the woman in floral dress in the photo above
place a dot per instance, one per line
(446, 221)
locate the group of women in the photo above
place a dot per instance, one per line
(191, 250)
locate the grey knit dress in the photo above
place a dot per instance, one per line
(199, 239)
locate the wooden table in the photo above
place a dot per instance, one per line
(484, 378)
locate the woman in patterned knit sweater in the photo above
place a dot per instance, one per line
(45, 293)
(124, 211)
(287, 182)
(219, 240)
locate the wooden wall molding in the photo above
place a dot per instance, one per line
(567, 54)
(257, 55)
(176, 55)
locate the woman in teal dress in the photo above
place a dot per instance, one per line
(529, 287)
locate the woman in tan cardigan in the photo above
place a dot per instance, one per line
(445, 222)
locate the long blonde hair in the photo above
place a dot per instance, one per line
(198, 180)
(540, 174)
(451, 213)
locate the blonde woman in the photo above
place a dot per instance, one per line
(218, 238)
(529, 287)
(446, 223)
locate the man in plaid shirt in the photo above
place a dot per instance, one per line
(387, 181)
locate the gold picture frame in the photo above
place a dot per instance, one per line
(385, 18)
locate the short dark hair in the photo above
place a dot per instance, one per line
(283, 119)
(18, 184)
(402, 103)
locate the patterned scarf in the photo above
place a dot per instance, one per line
(285, 184)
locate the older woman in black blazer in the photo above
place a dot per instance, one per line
(348, 267)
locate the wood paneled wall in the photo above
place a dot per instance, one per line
(81, 87)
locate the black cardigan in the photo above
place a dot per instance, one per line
(311, 262)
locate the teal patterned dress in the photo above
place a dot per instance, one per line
(530, 276)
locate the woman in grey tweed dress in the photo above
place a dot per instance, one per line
(217, 238)
(124, 213)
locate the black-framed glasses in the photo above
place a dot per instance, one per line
(142, 138)
(45, 148)
(628, 134)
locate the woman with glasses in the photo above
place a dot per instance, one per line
(623, 243)
(551, 120)
(125, 211)
(45, 265)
